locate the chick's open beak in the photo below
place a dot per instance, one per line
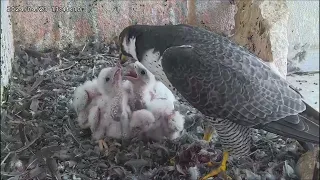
(123, 58)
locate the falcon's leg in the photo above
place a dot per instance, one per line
(235, 138)
(208, 132)
(221, 169)
(207, 136)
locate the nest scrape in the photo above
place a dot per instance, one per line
(40, 138)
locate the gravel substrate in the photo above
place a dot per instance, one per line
(40, 138)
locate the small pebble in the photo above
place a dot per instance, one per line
(199, 129)
(61, 167)
(281, 142)
(146, 153)
(81, 166)
(252, 176)
(92, 174)
(271, 136)
(260, 154)
(88, 146)
(74, 177)
(71, 163)
(263, 131)
(194, 173)
(256, 138)
(19, 165)
(66, 177)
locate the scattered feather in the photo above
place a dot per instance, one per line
(22, 134)
(34, 105)
(53, 168)
(252, 176)
(136, 164)
(288, 170)
(194, 173)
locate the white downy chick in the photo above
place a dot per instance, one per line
(141, 83)
(141, 121)
(154, 96)
(146, 88)
(169, 125)
(110, 117)
(83, 99)
(128, 89)
(175, 125)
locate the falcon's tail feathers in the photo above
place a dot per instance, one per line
(303, 127)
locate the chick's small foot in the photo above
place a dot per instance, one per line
(103, 147)
(221, 169)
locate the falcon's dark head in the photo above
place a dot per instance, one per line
(128, 41)
(135, 40)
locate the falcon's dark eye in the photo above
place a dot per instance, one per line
(107, 79)
(143, 72)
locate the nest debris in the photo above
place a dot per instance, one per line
(40, 138)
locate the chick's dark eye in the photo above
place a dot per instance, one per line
(107, 79)
(143, 72)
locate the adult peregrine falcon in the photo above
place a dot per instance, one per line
(235, 89)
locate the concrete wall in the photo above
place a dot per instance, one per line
(103, 20)
(303, 34)
(7, 49)
(261, 26)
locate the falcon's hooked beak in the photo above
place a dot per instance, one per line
(123, 59)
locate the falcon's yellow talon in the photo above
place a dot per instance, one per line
(221, 169)
(224, 160)
(207, 137)
(208, 133)
(209, 164)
